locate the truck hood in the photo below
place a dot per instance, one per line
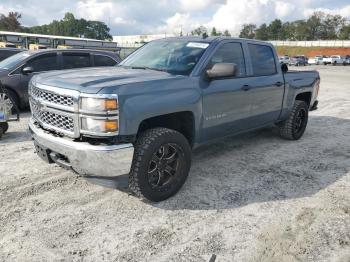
(92, 80)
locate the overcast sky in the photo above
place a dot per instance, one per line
(127, 17)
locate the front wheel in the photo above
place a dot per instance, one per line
(161, 164)
(294, 127)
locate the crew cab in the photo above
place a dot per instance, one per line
(145, 116)
(333, 60)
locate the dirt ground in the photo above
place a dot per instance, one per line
(254, 197)
(312, 51)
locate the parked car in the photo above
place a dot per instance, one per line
(145, 115)
(298, 61)
(7, 52)
(17, 70)
(334, 60)
(317, 60)
(284, 59)
(346, 61)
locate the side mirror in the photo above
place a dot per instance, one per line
(220, 70)
(27, 70)
(284, 68)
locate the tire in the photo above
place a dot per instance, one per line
(335, 63)
(4, 127)
(14, 98)
(155, 175)
(294, 127)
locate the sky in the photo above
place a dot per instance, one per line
(132, 17)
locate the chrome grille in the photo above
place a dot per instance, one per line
(54, 120)
(51, 97)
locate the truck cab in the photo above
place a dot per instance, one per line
(172, 95)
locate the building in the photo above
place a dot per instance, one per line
(53, 41)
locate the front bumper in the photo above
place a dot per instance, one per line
(82, 157)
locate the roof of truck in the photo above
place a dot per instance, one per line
(210, 39)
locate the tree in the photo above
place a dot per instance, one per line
(344, 33)
(274, 29)
(10, 22)
(215, 33)
(70, 26)
(314, 25)
(248, 31)
(262, 33)
(331, 26)
(227, 33)
(200, 31)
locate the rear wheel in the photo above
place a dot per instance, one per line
(294, 127)
(161, 164)
(4, 127)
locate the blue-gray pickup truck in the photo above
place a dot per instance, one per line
(144, 116)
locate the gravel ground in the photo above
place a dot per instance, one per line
(254, 197)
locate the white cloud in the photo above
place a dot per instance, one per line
(344, 11)
(167, 16)
(283, 9)
(198, 5)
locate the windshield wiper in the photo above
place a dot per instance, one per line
(145, 68)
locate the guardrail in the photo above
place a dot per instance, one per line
(321, 43)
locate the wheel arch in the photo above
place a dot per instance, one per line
(183, 122)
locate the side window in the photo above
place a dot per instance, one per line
(44, 62)
(101, 60)
(230, 53)
(263, 60)
(75, 60)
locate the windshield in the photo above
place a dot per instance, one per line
(175, 57)
(12, 61)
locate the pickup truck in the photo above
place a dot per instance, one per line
(333, 60)
(144, 116)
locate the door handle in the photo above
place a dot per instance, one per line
(245, 87)
(278, 83)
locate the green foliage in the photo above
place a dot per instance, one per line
(10, 22)
(248, 31)
(68, 26)
(200, 31)
(319, 26)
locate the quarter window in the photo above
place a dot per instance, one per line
(75, 60)
(263, 60)
(230, 53)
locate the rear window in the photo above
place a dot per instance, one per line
(6, 53)
(263, 60)
(102, 60)
(75, 60)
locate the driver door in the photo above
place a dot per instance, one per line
(226, 101)
(40, 64)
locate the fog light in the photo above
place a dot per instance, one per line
(100, 125)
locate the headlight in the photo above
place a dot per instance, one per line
(98, 104)
(92, 125)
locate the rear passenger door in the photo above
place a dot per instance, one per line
(268, 88)
(72, 60)
(103, 60)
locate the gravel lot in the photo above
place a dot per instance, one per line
(249, 198)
